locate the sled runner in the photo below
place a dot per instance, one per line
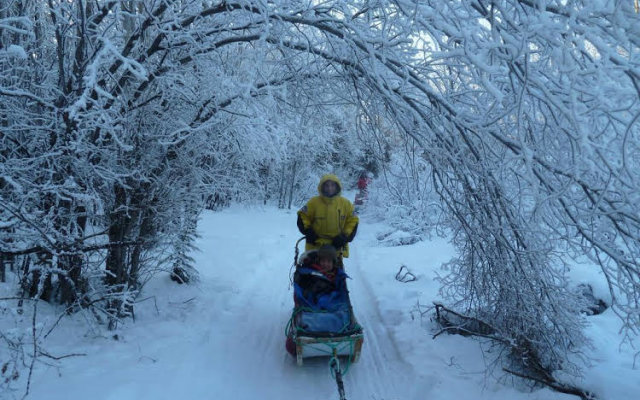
(322, 322)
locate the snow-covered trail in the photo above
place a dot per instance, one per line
(224, 338)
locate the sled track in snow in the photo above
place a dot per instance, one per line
(381, 373)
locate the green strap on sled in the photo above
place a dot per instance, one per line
(298, 310)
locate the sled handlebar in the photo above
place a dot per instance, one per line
(295, 257)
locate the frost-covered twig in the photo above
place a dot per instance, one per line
(34, 353)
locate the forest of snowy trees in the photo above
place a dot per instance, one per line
(513, 125)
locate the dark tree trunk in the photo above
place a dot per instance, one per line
(292, 183)
(281, 189)
(116, 262)
(70, 284)
(147, 231)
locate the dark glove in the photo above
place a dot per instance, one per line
(310, 235)
(339, 241)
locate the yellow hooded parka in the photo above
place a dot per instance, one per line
(328, 217)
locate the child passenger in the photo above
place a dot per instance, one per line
(326, 262)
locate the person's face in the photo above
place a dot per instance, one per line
(325, 263)
(329, 188)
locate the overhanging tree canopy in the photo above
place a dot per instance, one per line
(114, 113)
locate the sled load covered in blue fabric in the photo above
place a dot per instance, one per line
(322, 322)
(322, 306)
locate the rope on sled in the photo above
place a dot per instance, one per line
(336, 372)
(335, 369)
(332, 349)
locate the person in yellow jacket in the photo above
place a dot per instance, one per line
(328, 218)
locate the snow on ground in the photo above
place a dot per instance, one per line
(224, 338)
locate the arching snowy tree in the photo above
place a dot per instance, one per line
(119, 119)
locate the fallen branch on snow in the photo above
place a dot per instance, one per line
(457, 323)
